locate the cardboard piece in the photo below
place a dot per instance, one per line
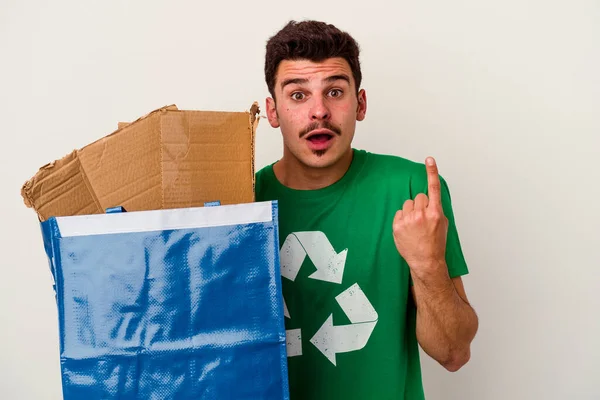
(169, 158)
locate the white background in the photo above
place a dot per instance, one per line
(506, 95)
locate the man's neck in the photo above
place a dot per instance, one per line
(295, 175)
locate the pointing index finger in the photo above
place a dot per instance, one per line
(433, 182)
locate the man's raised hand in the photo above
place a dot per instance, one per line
(420, 227)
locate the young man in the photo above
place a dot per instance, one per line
(370, 255)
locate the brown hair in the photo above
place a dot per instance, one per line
(312, 40)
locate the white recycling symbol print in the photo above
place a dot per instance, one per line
(329, 339)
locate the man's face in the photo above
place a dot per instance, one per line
(316, 107)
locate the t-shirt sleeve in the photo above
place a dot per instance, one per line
(455, 258)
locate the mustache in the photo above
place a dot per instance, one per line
(322, 125)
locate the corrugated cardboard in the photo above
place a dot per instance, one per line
(169, 158)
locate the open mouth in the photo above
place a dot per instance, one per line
(320, 138)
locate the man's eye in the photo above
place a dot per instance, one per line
(298, 96)
(335, 93)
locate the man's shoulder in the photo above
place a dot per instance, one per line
(398, 171)
(265, 169)
(393, 161)
(261, 181)
(396, 167)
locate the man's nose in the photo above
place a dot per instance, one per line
(319, 110)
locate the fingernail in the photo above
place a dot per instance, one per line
(429, 160)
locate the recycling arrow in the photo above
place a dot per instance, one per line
(329, 264)
(331, 339)
(285, 310)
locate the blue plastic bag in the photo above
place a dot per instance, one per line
(170, 304)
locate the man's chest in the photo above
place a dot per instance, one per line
(341, 274)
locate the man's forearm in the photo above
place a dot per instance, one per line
(446, 323)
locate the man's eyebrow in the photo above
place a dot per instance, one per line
(292, 81)
(334, 78)
(329, 79)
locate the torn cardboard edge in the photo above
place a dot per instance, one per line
(168, 158)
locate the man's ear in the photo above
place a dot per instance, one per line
(361, 109)
(272, 113)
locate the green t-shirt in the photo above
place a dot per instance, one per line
(350, 317)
